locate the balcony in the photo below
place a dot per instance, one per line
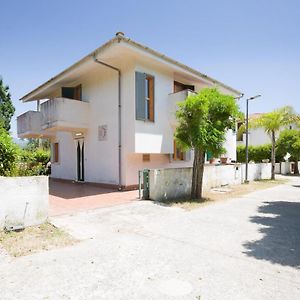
(29, 125)
(63, 114)
(173, 99)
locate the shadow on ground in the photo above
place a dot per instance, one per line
(281, 229)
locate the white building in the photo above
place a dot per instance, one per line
(112, 113)
(258, 136)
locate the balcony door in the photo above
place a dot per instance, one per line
(80, 159)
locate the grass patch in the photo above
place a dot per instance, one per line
(224, 193)
(34, 239)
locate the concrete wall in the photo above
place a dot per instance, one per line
(19, 192)
(176, 183)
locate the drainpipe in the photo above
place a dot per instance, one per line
(119, 117)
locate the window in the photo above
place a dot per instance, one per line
(55, 153)
(178, 153)
(144, 94)
(146, 157)
(72, 92)
(178, 87)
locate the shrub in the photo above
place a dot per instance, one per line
(256, 153)
(8, 154)
(33, 162)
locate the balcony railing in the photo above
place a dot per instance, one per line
(29, 124)
(62, 114)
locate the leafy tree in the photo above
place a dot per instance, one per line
(6, 107)
(203, 119)
(34, 144)
(289, 142)
(272, 122)
(8, 154)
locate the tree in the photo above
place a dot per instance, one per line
(203, 119)
(8, 154)
(289, 142)
(7, 109)
(272, 122)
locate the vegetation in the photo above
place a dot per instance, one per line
(6, 107)
(272, 122)
(15, 161)
(289, 142)
(203, 119)
(256, 153)
(9, 154)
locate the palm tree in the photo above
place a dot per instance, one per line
(272, 122)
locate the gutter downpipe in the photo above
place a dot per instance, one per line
(119, 117)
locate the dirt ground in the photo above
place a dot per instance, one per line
(225, 193)
(34, 239)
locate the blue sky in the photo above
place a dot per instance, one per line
(253, 46)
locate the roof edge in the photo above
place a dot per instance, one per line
(119, 38)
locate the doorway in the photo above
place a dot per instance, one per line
(80, 159)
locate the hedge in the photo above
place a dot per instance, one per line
(256, 153)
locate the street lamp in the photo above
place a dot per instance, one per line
(247, 133)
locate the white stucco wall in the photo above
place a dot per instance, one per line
(176, 183)
(100, 90)
(23, 200)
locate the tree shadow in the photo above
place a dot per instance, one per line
(281, 229)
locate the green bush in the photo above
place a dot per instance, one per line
(8, 154)
(256, 153)
(33, 162)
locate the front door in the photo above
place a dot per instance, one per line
(80, 160)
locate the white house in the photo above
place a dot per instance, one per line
(258, 136)
(112, 113)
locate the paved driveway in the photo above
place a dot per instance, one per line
(72, 197)
(246, 248)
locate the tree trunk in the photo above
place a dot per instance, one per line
(273, 156)
(296, 169)
(198, 169)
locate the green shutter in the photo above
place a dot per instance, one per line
(140, 96)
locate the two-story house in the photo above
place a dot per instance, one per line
(113, 113)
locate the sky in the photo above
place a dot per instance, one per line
(253, 46)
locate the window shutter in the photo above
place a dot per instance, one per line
(140, 96)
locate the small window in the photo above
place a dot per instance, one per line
(72, 92)
(178, 153)
(55, 153)
(144, 94)
(146, 157)
(178, 87)
(149, 84)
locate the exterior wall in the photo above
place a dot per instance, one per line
(24, 201)
(157, 136)
(176, 183)
(258, 136)
(65, 168)
(230, 145)
(135, 163)
(100, 89)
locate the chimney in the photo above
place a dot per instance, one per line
(120, 34)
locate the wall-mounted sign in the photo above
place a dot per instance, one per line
(102, 133)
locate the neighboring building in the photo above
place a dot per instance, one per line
(258, 136)
(113, 113)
